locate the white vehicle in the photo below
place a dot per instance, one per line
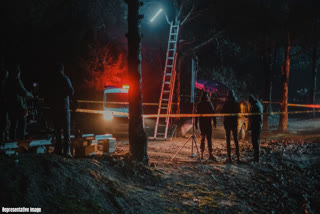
(116, 108)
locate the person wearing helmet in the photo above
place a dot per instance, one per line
(256, 125)
(231, 106)
(205, 107)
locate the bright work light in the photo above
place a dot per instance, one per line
(156, 15)
(107, 115)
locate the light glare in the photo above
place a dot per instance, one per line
(155, 16)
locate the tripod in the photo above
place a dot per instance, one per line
(193, 139)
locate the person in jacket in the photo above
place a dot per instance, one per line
(60, 91)
(231, 106)
(205, 107)
(256, 125)
(3, 112)
(15, 98)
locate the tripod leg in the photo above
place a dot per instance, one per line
(195, 142)
(180, 149)
(192, 149)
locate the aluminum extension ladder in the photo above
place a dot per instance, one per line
(169, 76)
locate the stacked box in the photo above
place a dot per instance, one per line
(88, 137)
(78, 147)
(107, 146)
(102, 142)
(112, 145)
(90, 150)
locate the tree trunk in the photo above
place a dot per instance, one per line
(138, 142)
(314, 78)
(285, 69)
(268, 86)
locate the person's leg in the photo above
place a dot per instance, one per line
(209, 139)
(228, 143)
(202, 145)
(57, 134)
(236, 142)
(66, 134)
(255, 143)
(257, 157)
(21, 125)
(13, 125)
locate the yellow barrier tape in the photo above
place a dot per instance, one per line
(190, 115)
(119, 103)
(156, 104)
(297, 105)
(221, 115)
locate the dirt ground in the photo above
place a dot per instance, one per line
(287, 179)
(284, 181)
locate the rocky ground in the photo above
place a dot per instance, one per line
(287, 180)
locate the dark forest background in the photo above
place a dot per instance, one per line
(89, 36)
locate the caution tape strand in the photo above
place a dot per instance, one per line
(192, 115)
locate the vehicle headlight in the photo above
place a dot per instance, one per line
(108, 115)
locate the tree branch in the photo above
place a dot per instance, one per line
(192, 50)
(180, 9)
(208, 41)
(195, 15)
(189, 14)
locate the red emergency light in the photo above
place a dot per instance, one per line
(125, 86)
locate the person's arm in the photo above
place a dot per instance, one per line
(68, 85)
(22, 91)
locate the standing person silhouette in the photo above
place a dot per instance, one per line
(205, 107)
(60, 92)
(15, 95)
(256, 125)
(231, 106)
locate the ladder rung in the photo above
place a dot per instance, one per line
(166, 91)
(172, 41)
(165, 99)
(167, 82)
(174, 33)
(163, 107)
(169, 66)
(162, 124)
(171, 57)
(171, 49)
(168, 74)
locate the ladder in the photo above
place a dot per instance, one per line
(169, 76)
